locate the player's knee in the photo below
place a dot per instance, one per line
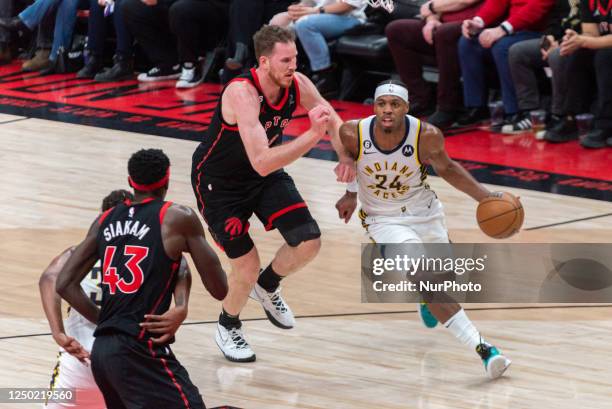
(310, 248)
(304, 233)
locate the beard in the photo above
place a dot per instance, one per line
(281, 80)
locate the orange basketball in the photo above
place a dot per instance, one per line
(500, 215)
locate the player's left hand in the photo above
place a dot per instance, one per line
(166, 324)
(345, 171)
(346, 206)
(72, 346)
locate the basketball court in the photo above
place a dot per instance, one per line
(65, 145)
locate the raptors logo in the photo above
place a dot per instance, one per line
(234, 227)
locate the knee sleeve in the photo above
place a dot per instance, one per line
(302, 233)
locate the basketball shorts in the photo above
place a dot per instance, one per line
(419, 222)
(69, 372)
(135, 374)
(227, 207)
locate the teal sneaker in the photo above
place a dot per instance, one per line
(495, 363)
(426, 316)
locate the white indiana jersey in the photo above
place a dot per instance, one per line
(75, 324)
(389, 181)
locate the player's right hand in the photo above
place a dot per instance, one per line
(72, 346)
(319, 117)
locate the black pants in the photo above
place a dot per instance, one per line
(247, 16)
(587, 70)
(176, 30)
(133, 374)
(199, 25)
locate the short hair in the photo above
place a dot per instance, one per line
(266, 38)
(392, 82)
(148, 166)
(115, 197)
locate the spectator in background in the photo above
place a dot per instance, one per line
(44, 38)
(7, 8)
(33, 16)
(174, 33)
(415, 42)
(315, 22)
(96, 35)
(590, 61)
(522, 19)
(245, 18)
(527, 61)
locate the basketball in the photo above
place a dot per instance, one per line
(500, 215)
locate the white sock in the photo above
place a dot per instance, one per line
(463, 329)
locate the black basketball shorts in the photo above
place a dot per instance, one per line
(133, 374)
(227, 207)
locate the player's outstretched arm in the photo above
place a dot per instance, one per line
(52, 305)
(241, 101)
(431, 151)
(310, 98)
(350, 142)
(168, 323)
(187, 225)
(68, 284)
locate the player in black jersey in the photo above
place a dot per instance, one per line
(140, 245)
(238, 170)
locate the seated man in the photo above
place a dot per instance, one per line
(522, 20)
(412, 42)
(174, 33)
(96, 35)
(246, 17)
(527, 62)
(315, 22)
(37, 15)
(590, 59)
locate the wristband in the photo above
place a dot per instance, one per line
(352, 187)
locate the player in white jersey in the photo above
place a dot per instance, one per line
(74, 335)
(391, 150)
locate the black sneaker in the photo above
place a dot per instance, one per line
(473, 116)
(326, 83)
(191, 76)
(518, 123)
(121, 70)
(564, 131)
(160, 74)
(442, 119)
(595, 139)
(93, 66)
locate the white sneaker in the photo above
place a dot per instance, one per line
(190, 77)
(494, 362)
(276, 309)
(160, 74)
(233, 345)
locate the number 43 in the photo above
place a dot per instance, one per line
(112, 279)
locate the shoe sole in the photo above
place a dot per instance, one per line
(232, 359)
(190, 85)
(157, 79)
(497, 366)
(275, 321)
(271, 318)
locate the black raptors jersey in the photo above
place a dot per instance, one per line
(222, 153)
(138, 277)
